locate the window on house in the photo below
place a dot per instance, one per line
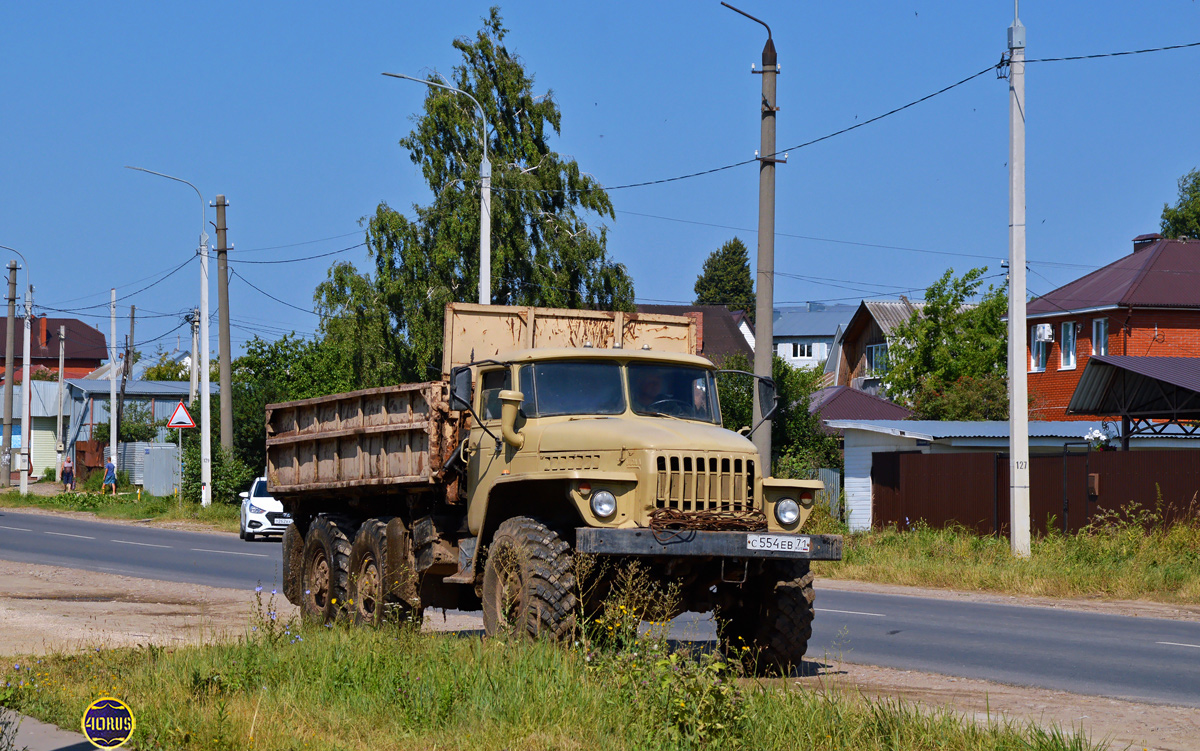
(877, 363)
(1100, 336)
(800, 349)
(1067, 360)
(1038, 351)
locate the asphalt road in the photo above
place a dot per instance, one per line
(1142, 659)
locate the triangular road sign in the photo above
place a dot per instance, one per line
(181, 418)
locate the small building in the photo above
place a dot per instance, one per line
(864, 440)
(860, 353)
(43, 424)
(84, 347)
(804, 336)
(89, 401)
(845, 403)
(1146, 304)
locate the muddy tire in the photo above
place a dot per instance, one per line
(293, 564)
(326, 570)
(770, 630)
(528, 582)
(367, 602)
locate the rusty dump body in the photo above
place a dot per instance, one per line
(552, 433)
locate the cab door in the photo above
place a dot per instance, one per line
(486, 463)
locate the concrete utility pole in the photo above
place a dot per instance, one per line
(1018, 393)
(10, 342)
(195, 350)
(126, 371)
(223, 326)
(485, 192)
(764, 309)
(62, 354)
(112, 376)
(26, 393)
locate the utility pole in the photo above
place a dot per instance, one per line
(26, 393)
(764, 313)
(9, 344)
(223, 323)
(195, 317)
(112, 376)
(1018, 393)
(62, 354)
(126, 371)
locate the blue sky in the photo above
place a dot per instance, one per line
(282, 108)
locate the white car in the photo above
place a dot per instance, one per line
(261, 514)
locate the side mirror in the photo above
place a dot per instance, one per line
(460, 388)
(244, 494)
(510, 404)
(767, 398)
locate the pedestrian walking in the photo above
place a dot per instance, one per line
(68, 473)
(110, 477)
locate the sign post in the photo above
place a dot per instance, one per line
(180, 419)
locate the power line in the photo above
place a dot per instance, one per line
(169, 274)
(305, 258)
(293, 245)
(1114, 54)
(273, 297)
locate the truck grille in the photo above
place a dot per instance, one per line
(695, 482)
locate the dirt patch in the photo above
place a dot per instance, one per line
(1137, 608)
(48, 608)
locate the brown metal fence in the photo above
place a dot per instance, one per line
(971, 489)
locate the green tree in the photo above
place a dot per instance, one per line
(795, 432)
(387, 324)
(1183, 219)
(166, 369)
(726, 280)
(948, 346)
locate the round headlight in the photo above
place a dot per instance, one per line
(604, 504)
(787, 511)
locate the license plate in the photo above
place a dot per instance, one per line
(782, 543)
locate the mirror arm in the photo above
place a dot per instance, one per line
(471, 409)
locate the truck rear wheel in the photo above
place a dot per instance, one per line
(369, 600)
(293, 564)
(528, 582)
(326, 570)
(770, 629)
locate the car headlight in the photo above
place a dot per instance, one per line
(787, 511)
(604, 504)
(256, 510)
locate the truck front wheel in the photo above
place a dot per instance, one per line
(770, 628)
(326, 570)
(528, 582)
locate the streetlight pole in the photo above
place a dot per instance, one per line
(205, 401)
(485, 194)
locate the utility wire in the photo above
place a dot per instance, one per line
(305, 258)
(169, 274)
(1114, 54)
(293, 245)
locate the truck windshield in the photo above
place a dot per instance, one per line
(674, 390)
(572, 388)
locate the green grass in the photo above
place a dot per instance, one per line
(126, 505)
(1131, 555)
(286, 686)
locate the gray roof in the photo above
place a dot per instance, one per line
(1139, 387)
(137, 388)
(933, 429)
(805, 322)
(891, 313)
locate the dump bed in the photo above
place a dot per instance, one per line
(360, 442)
(479, 332)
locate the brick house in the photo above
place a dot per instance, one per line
(1144, 304)
(85, 347)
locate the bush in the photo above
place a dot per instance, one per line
(230, 475)
(95, 481)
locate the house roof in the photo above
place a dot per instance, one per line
(720, 336)
(930, 430)
(82, 343)
(1159, 273)
(845, 403)
(807, 321)
(89, 387)
(1154, 388)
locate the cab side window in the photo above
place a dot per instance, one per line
(493, 382)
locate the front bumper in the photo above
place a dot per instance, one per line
(268, 523)
(645, 542)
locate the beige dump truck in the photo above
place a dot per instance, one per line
(552, 433)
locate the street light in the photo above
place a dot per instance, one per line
(26, 431)
(205, 406)
(485, 194)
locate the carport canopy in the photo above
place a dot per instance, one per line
(1148, 393)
